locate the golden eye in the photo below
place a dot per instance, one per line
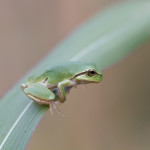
(91, 73)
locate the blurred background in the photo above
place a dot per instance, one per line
(113, 115)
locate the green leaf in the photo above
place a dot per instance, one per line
(104, 39)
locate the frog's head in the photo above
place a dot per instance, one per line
(89, 76)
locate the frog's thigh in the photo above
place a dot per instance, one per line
(39, 93)
(61, 90)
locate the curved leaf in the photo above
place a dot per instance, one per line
(105, 39)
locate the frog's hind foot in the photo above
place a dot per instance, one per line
(53, 107)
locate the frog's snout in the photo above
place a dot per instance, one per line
(101, 75)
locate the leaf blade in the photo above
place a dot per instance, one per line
(19, 115)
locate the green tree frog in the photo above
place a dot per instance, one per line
(51, 85)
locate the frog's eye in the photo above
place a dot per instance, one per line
(91, 72)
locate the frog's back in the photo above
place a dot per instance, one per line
(60, 72)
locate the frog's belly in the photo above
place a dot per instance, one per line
(67, 89)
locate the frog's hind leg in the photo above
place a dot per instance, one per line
(53, 106)
(39, 93)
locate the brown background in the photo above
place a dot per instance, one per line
(114, 115)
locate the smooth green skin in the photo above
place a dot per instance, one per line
(51, 83)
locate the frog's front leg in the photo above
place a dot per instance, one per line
(61, 89)
(39, 93)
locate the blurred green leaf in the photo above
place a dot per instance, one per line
(104, 39)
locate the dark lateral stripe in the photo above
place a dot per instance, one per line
(79, 74)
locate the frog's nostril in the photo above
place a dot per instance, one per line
(101, 75)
